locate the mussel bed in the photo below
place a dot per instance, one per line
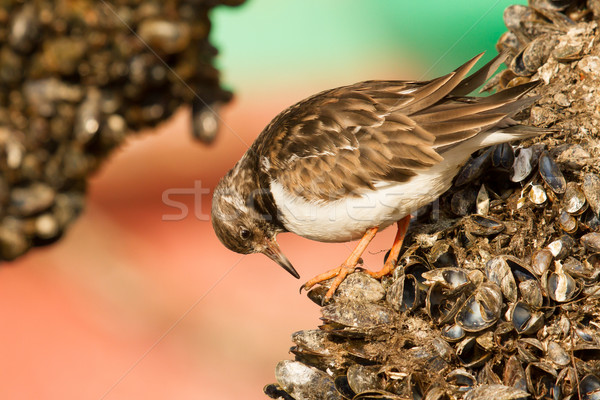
(497, 290)
(77, 78)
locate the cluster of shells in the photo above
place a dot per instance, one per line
(77, 77)
(497, 292)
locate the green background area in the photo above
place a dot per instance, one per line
(278, 41)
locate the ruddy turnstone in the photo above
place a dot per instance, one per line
(347, 162)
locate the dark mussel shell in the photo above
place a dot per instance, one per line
(589, 387)
(483, 226)
(474, 168)
(503, 156)
(551, 174)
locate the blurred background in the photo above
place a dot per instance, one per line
(135, 302)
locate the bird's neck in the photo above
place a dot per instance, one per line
(254, 187)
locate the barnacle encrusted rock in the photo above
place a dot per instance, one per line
(77, 77)
(497, 293)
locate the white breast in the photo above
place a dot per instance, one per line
(348, 218)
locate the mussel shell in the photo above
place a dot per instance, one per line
(591, 190)
(592, 264)
(486, 340)
(551, 174)
(541, 378)
(482, 309)
(562, 246)
(487, 376)
(474, 168)
(363, 378)
(537, 195)
(508, 42)
(567, 382)
(587, 352)
(589, 269)
(531, 293)
(452, 279)
(317, 294)
(524, 320)
(314, 340)
(590, 220)
(518, 67)
(505, 336)
(521, 167)
(405, 294)
(567, 222)
(514, 374)
(586, 335)
(470, 354)
(561, 286)
(205, 120)
(589, 387)
(341, 385)
(440, 306)
(557, 5)
(574, 200)
(463, 201)
(498, 271)
(514, 15)
(436, 392)
(530, 349)
(452, 333)
(444, 350)
(482, 202)
(533, 56)
(360, 286)
(461, 378)
(416, 266)
(483, 226)
(519, 269)
(591, 241)
(541, 260)
(496, 392)
(302, 382)
(503, 156)
(442, 255)
(275, 391)
(557, 355)
(358, 314)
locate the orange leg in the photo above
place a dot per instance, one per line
(390, 264)
(346, 268)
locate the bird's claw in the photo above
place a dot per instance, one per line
(305, 287)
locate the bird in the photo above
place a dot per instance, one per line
(348, 162)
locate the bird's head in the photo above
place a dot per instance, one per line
(241, 228)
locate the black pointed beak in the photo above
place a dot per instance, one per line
(273, 251)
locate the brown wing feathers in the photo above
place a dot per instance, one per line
(348, 138)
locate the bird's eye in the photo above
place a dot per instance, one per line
(245, 234)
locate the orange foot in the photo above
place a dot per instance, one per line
(349, 265)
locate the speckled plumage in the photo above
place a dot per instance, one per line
(353, 141)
